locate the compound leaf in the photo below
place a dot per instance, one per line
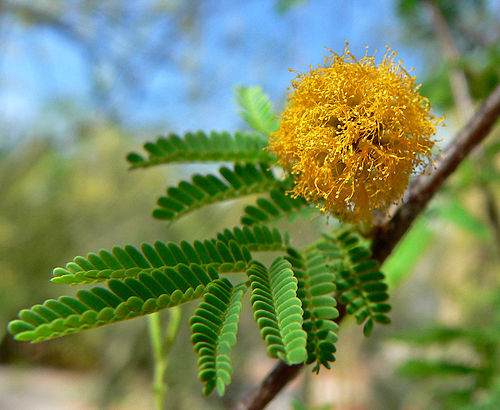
(257, 109)
(130, 262)
(360, 284)
(122, 300)
(244, 179)
(278, 311)
(214, 327)
(201, 147)
(316, 285)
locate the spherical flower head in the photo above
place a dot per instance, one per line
(352, 134)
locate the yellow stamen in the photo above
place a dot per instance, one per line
(352, 134)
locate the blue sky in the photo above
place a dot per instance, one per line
(242, 42)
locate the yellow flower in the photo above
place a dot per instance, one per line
(352, 134)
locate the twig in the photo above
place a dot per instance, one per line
(276, 379)
(387, 235)
(161, 343)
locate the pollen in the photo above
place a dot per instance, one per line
(352, 134)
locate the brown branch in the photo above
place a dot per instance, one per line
(276, 380)
(387, 235)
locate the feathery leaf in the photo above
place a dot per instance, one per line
(200, 147)
(244, 179)
(315, 288)
(278, 311)
(278, 204)
(360, 284)
(130, 262)
(257, 109)
(214, 327)
(256, 238)
(132, 297)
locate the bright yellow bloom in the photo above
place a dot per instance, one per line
(352, 134)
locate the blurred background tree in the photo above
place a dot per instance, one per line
(83, 82)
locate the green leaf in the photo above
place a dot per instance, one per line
(278, 311)
(202, 259)
(360, 284)
(278, 204)
(99, 306)
(214, 327)
(256, 238)
(257, 109)
(200, 147)
(244, 179)
(315, 289)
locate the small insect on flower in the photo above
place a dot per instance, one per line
(352, 134)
